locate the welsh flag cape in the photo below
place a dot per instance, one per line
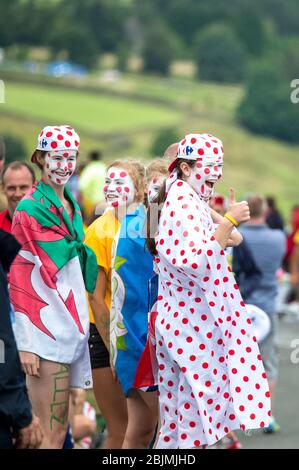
(50, 276)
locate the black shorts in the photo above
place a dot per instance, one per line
(99, 354)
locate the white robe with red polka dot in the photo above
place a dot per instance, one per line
(211, 375)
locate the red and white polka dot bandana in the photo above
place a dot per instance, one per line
(201, 147)
(57, 138)
(198, 147)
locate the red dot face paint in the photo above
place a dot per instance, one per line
(118, 181)
(60, 165)
(154, 187)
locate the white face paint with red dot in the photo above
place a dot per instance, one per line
(119, 188)
(154, 187)
(205, 175)
(59, 166)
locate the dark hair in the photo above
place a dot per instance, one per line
(38, 153)
(155, 207)
(95, 155)
(271, 202)
(2, 149)
(17, 165)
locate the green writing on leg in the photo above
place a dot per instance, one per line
(59, 408)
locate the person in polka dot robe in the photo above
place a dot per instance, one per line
(210, 371)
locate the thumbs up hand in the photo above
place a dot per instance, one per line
(238, 210)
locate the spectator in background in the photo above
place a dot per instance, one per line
(267, 247)
(290, 239)
(217, 202)
(82, 416)
(2, 153)
(2, 161)
(294, 267)
(171, 151)
(92, 181)
(273, 217)
(245, 269)
(17, 179)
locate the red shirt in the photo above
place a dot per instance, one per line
(5, 221)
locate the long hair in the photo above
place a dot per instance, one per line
(156, 206)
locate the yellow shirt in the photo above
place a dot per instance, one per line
(296, 238)
(99, 236)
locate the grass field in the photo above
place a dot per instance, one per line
(124, 127)
(96, 113)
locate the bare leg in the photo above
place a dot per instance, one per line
(272, 388)
(112, 404)
(49, 396)
(143, 419)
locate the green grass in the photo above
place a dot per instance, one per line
(95, 113)
(201, 97)
(252, 163)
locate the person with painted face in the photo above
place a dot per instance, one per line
(122, 190)
(210, 372)
(48, 283)
(131, 272)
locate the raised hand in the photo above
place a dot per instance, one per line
(238, 210)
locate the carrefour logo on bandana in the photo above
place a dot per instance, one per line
(189, 150)
(44, 143)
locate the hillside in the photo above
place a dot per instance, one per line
(108, 118)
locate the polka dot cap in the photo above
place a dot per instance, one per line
(58, 138)
(196, 146)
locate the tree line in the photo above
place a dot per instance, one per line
(255, 42)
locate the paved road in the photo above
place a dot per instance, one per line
(286, 406)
